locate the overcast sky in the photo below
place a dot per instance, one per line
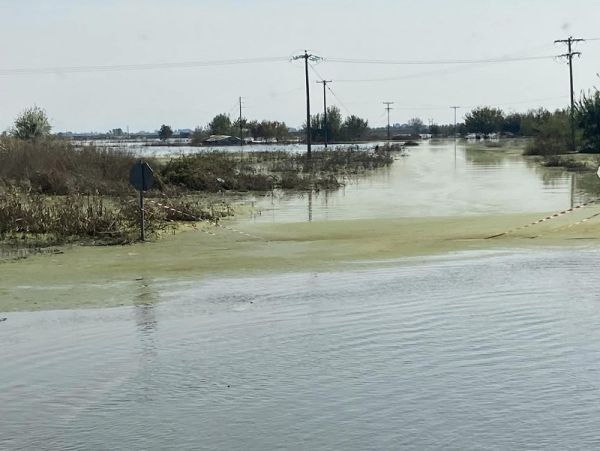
(60, 33)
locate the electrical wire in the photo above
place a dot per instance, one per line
(438, 62)
(339, 101)
(137, 67)
(331, 91)
(405, 77)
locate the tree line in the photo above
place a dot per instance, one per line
(337, 128)
(550, 130)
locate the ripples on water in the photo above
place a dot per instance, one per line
(476, 351)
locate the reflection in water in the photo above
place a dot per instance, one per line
(573, 188)
(310, 206)
(434, 181)
(455, 151)
(145, 318)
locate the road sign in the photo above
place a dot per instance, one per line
(141, 176)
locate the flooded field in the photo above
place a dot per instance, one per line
(380, 316)
(494, 350)
(434, 181)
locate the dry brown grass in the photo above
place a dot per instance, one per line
(54, 166)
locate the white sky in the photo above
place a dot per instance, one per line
(57, 33)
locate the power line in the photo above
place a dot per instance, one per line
(145, 66)
(331, 91)
(339, 101)
(226, 62)
(438, 62)
(404, 77)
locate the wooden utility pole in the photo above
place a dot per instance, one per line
(455, 108)
(569, 55)
(388, 108)
(306, 57)
(324, 82)
(241, 126)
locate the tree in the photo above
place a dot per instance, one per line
(552, 134)
(484, 120)
(533, 120)
(512, 123)
(587, 116)
(31, 124)
(354, 128)
(334, 123)
(165, 132)
(220, 125)
(237, 124)
(416, 125)
(281, 131)
(198, 136)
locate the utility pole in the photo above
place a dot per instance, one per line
(388, 108)
(324, 82)
(569, 55)
(455, 108)
(306, 57)
(241, 126)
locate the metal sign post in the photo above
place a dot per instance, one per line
(141, 177)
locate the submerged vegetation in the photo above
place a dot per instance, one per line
(568, 163)
(266, 171)
(38, 219)
(53, 192)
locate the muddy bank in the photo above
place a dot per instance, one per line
(103, 277)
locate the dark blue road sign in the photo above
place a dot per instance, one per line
(141, 176)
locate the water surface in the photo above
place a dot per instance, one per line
(433, 180)
(470, 351)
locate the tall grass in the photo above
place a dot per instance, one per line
(264, 171)
(51, 191)
(570, 164)
(54, 166)
(90, 218)
(213, 172)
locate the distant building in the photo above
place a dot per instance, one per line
(222, 140)
(184, 132)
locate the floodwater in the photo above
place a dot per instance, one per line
(156, 150)
(433, 180)
(473, 350)
(493, 350)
